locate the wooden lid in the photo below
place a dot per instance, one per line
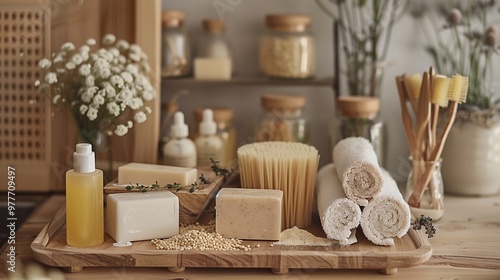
(360, 107)
(283, 102)
(214, 25)
(221, 114)
(172, 18)
(288, 23)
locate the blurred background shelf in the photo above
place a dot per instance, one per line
(249, 81)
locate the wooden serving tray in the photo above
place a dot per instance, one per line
(413, 249)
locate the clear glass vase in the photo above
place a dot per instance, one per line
(424, 189)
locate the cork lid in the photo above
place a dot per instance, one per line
(360, 107)
(214, 25)
(288, 23)
(172, 18)
(283, 102)
(220, 114)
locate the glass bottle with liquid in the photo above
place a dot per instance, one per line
(209, 145)
(179, 150)
(84, 200)
(175, 45)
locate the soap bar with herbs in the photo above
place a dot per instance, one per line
(148, 174)
(142, 215)
(249, 213)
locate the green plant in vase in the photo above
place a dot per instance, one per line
(464, 41)
(105, 89)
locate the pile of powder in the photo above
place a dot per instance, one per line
(299, 237)
(200, 237)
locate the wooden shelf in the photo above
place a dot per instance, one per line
(249, 81)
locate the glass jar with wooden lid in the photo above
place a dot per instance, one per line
(287, 50)
(283, 119)
(175, 46)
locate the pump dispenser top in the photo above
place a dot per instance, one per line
(207, 125)
(84, 158)
(179, 129)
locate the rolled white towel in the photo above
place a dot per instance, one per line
(387, 215)
(358, 169)
(338, 214)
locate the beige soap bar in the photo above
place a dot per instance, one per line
(249, 213)
(148, 174)
(212, 69)
(142, 216)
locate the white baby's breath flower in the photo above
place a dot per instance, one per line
(101, 63)
(104, 73)
(123, 105)
(130, 124)
(122, 45)
(70, 66)
(61, 70)
(83, 109)
(84, 70)
(114, 51)
(122, 59)
(92, 113)
(91, 42)
(134, 57)
(77, 59)
(116, 70)
(121, 130)
(85, 55)
(108, 39)
(51, 78)
(44, 63)
(140, 117)
(90, 81)
(98, 100)
(58, 59)
(68, 46)
(127, 77)
(148, 110)
(146, 68)
(135, 103)
(37, 83)
(116, 81)
(110, 91)
(132, 69)
(84, 48)
(147, 95)
(135, 49)
(124, 95)
(88, 94)
(56, 98)
(113, 109)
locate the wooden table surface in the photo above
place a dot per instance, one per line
(466, 246)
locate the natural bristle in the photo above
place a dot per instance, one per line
(465, 89)
(458, 87)
(440, 90)
(415, 82)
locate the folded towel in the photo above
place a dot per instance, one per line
(358, 169)
(387, 215)
(338, 214)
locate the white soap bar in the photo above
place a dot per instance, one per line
(142, 216)
(148, 174)
(249, 213)
(212, 69)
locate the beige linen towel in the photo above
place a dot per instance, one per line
(338, 214)
(387, 215)
(358, 169)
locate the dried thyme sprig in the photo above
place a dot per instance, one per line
(175, 186)
(426, 222)
(203, 180)
(194, 187)
(217, 169)
(143, 188)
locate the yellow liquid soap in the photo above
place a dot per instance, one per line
(84, 208)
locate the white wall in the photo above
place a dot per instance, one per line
(245, 23)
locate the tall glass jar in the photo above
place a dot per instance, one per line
(175, 47)
(357, 117)
(223, 117)
(424, 189)
(283, 119)
(287, 50)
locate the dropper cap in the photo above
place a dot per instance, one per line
(179, 129)
(207, 125)
(83, 158)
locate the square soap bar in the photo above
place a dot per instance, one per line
(212, 69)
(141, 216)
(249, 213)
(148, 174)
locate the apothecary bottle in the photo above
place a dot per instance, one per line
(175, 46)
(223, 117)
(357, 116)
(287, 50)
(283, 119)
(213, 42)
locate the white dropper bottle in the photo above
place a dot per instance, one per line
(208, 144)
(179, 150)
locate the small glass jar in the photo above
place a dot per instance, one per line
(424, 189)
(288, 49)
(175, 52)
(357, 117)
(213, 42)
(283, 119)
(223, 117)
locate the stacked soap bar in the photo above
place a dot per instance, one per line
(142, 216)
(148, 174)
(249, 213)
